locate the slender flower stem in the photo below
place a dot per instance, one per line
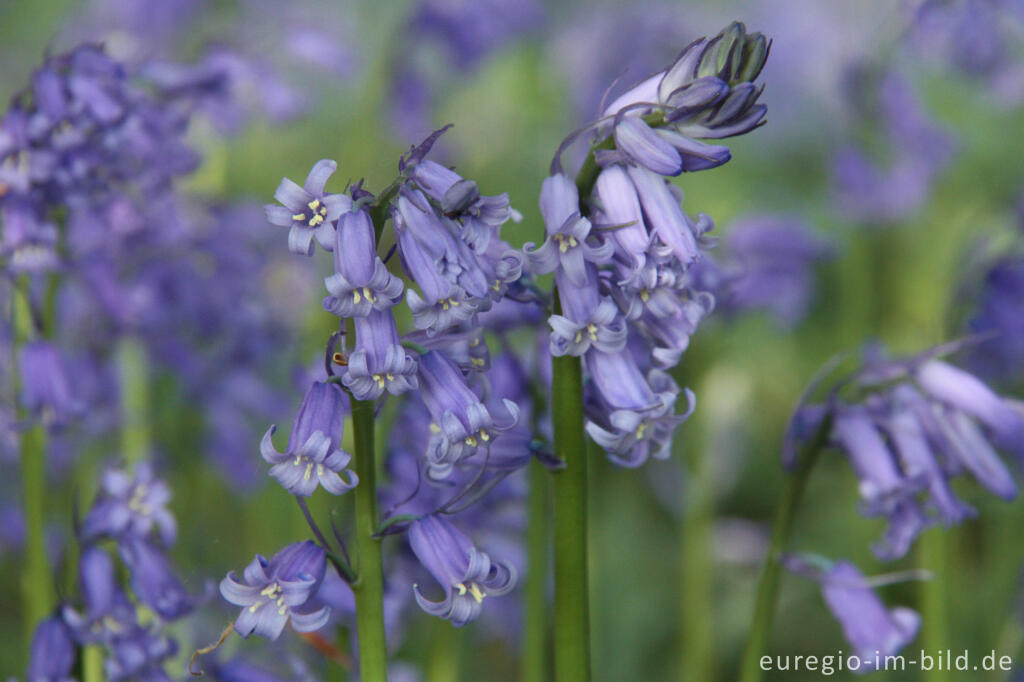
(934, 551)
(368, 587)
(697, 645)
(36, 587)
(572, 612)
(535, 634)
(445, 659)
(135, 403)
(92, 663)
(768, 588)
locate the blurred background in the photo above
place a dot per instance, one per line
(892, 157)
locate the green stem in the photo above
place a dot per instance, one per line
(934, 551)
(135, 403)
(768, 588)
(92, 663)
(697, 645)
(36, 588)
(369, 585)
(535, 633)
(572, 612)
(444, 662)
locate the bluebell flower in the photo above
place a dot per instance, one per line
(465, 346)
(466, 574)
(968, 394)
(131, 505)
(566, 245)
(631, 416)
(274, 592)
(665, 218)
(53, 652)
(361, 282)
(379, 362)
(308, 211)
(998, 312)
(29, 242)
(47, 389)
(443, 304)
(153, 582)
(460, 199)
(461, 423)
(314, 456)
(869, 627)
(619, 206)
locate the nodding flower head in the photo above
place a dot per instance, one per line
(280, 590)
(379, 363)
(466, 574)
(314, 455)
(131, 506)
(361, 283)
(308, 211)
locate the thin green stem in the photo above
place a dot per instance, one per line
(934, 551)
(697, 644)
(771, 574)
(445, 661)
(36, 586)
(535, 635)
(369, 584)
(572, 612)
(135, 403)
(92, 663)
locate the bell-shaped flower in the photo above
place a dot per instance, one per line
(274, 592)
(314, 455)
(461, 423)
(466, 574)
(131, 506)
(153, 581)
(308, 211)
(566, 245)
(665, 217)
(361, 282)
(870, 628)
(52, 655)
(47, 388)
(379, 362)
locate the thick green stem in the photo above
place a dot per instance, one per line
(768, 588)
(572, 612)
(535, 635)
(92, 663)
(36, 581)
(135, 403)
(369, 585)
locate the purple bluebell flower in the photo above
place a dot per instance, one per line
(665, 217)
(308, 211)
(53, 652)
(314, 456)
(379, 362)
(968, 394)
(47, 388)
(131, 505)
(619, 205)
(274, 592)
(361, 282)
(460, 199)
(443, 304)
(884, 488)
(998, 311)
(566, 246)
(466, 574)
(465, 347)
(29, 242)
(770, 259)
(153, 582)
(630, 416)
(461, 423)
(869, 627)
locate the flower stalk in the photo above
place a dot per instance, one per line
(572, 612)
(535, 631)
(36, 589)
(368, 587)
(771, 573)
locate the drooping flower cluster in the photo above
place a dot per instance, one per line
(131, 511)
(911, 427)
(456, 427)
(622, 266)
